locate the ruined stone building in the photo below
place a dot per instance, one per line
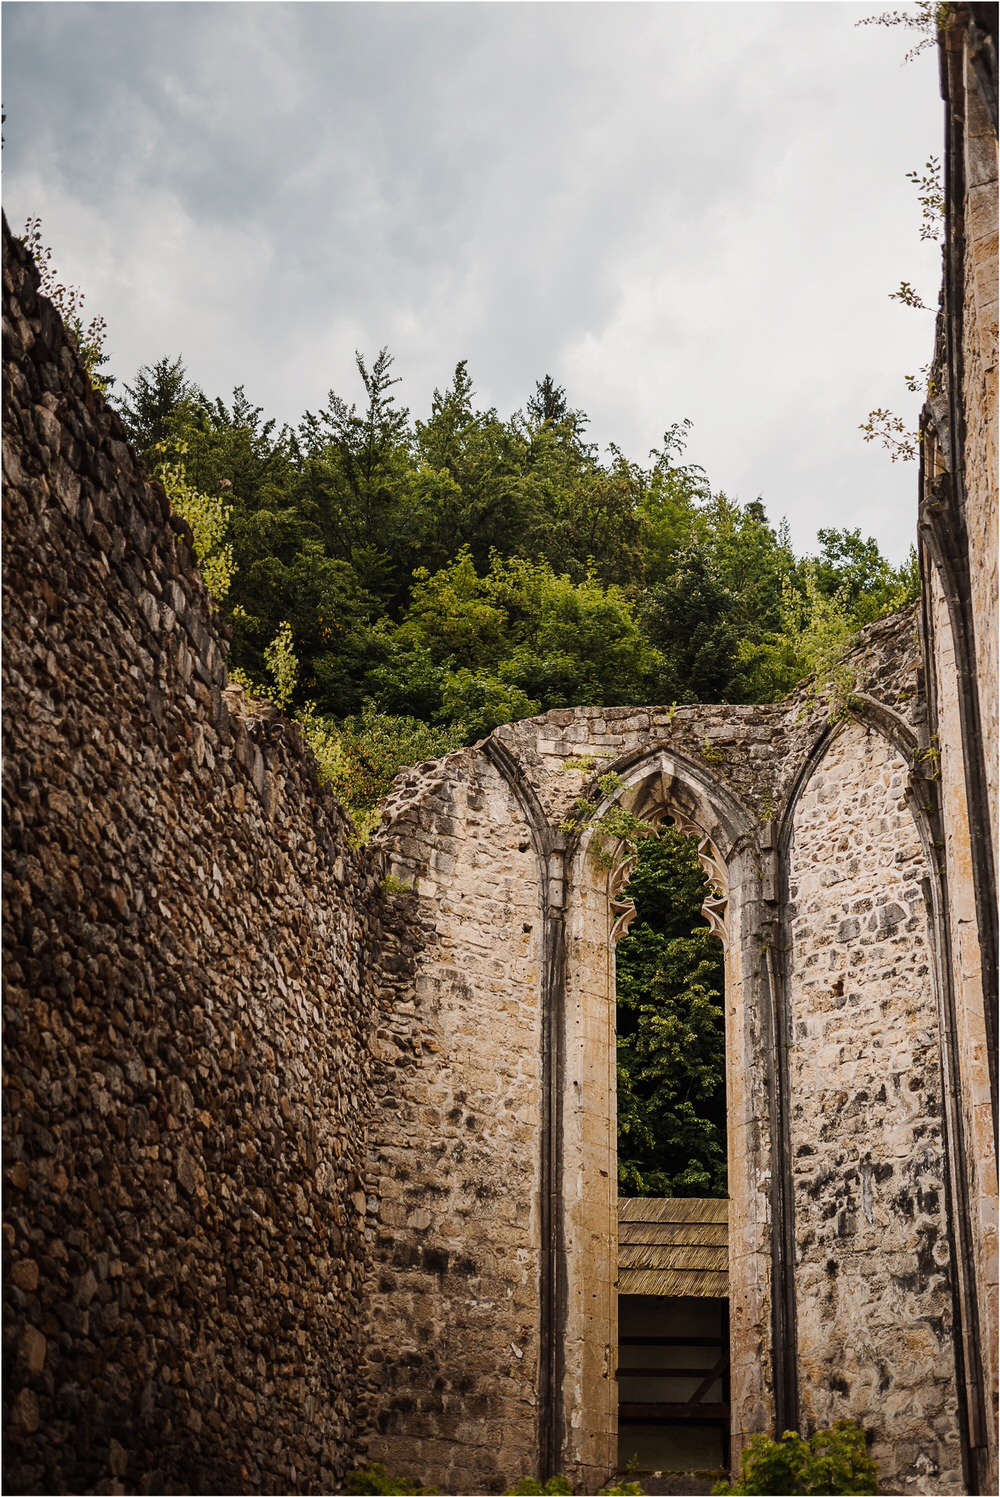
(303, 1165)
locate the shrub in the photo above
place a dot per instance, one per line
(831, 1461)
(529, 1487)
(375, 1479)
(358, 758)
(207, 515)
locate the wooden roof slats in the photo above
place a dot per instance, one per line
(671, 1209)
(672, 1413)
(673, 1247)
(695, 1285)
(662, 1340)
(630, 1256)
(673, 1234)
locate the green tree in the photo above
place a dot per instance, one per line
(330, 614)
(689, 617)
(519, 638)
(853, 569)
(749, 558)
(671, 494)
(548, 404)
(814, 635)
(352, 468)
(671, 1038)
(466, 569)
(530, 487)
(471, 496)
(594, 524)
(157, 406)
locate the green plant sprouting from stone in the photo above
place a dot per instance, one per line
(585, 809)
(930, 758)
(930, 196)
(529, 1486)
(585, 763)
(928, 17)
(921, 382)
(909, 297)
(208, 516)
(89, 337)
(374, 1480)
(899, 439)
(616, 826)
(560, 1486)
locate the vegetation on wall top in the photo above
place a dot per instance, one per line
(467, 570)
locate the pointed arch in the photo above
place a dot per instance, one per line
(656, 783)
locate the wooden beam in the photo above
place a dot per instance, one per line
(673, 1413)
(714, 1376)
(672, 1341)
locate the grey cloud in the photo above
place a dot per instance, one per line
(677, 209)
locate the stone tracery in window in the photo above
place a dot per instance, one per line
(715, 906)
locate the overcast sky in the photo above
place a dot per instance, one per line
(676, 209)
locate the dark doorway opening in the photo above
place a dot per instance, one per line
(673, 1389)
(673, 1335)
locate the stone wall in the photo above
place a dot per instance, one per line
(834, 1314)
(979, 282)
(958, 555)
(873, 1283)
(185, 1009)
(964, 1022)
(453, 1326)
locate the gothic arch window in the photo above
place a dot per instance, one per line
(660, 786)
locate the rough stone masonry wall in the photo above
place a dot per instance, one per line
(185, 1011)
(976, 1176)
(959, 548)
(453, 1313)
(979, 405)
(873, 1262)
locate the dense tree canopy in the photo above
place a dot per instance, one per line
(466, 568)
(405, 586)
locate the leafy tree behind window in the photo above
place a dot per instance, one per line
(671, 1035)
